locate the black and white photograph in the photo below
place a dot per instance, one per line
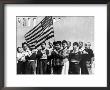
(55, 45)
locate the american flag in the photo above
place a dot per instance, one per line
(40, 33)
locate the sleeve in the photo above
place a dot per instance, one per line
(39, 54)
(49, 56)
(53, 54)
(33, 56)
(80, 56)
(59, 56)
(28, 53)
(27, 58)
(91, 54)
(47, 52)
(66, 54)
(18, 57)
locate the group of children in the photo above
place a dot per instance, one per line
(55, 59)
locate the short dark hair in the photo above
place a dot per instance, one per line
(75, 43)
(57, 42)
(81, 42)
(24, 43)
(18, 48)
(88, 43)
(64, 41)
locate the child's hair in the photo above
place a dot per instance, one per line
(64, 41)
(24, 43)
(88, 43)
(75, 43)
(57, 42)
(18, 49)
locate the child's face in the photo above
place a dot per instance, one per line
(25, 47)
(50, 44)
(75, 47)
(87, 46)
(80, 44)
(57, 46)
(43, 45)
(20, 50)
(64, 45)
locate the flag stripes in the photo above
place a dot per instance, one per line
(43, 37)
(39, 29)
(33, 30)
(40, 33)
(33, 36)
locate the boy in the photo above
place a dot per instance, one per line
(43, 58)
(57, 58)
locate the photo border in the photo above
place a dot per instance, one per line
(2, 31)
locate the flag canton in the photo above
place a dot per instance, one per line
(47, 22)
